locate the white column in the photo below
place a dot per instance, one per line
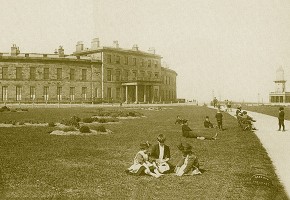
(144, 93)
(126, 94)
(136, 100)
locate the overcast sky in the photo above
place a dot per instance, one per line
(230, 47)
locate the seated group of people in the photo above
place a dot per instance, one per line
(244, 120)
(153, 160)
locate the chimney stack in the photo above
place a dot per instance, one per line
(116, 44)
(135, 47)
(95, 44)
(152, 50)
(60, 52)
(79, 46)
(15, 50)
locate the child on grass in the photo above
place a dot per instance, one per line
(141, 163)
(207, 123)
(219, 119)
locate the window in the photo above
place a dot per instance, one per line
(150, 75)
(134, 61)
(45, 93)
(142, 75)
(59, 73)
(72, 74)
(118, 93)
(72, 93)
(32, 93)
(46, 73)
(5, 93)
(58, 93)
(18, 93)
(156, 75)
(84, 93)
(149, 63)
(97, 92)
(156, 63)
(134, 75)
(126, 74)
(118, 75)
(32, 73)
(109, 59)
(4, 72)
(18, 73)
(118, 59)
(109, 93)
(142, 63)
(109, 75)
(126, 60)
(84, 74)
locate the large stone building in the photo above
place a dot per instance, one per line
(279, 95)
(98, 74)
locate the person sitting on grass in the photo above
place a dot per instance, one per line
(207, 123)
(160, 154)
(178, 120)
(142, 165)
(188, 164)
(188, 133)
(247, 121)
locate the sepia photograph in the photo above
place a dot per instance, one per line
(145, 99)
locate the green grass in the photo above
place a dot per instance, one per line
(37, 165)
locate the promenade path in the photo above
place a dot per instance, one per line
(276, 143)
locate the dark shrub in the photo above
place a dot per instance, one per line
(100, 128)
(5, 108)
(88, 120)
(112, 120)
(75, 118)
(85, 129)
(21, 123)
(132, 114)
(51, 124)
(73, 121)
(102, 120)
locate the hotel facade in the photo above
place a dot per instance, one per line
(89, 75)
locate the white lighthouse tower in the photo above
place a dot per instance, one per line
(280, 81)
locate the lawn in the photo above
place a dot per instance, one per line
(35, 164)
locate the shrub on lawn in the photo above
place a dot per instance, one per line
(112, 120)
(102, 120)
(85, 129)
(21, 123)
(4, 108)
(100, 129)
(132, 114)
(73, 121)
(88, 120)
(51, 124)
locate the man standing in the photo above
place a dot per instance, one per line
(219, 119)
(281, 118)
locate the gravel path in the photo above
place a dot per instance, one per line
(276, 143)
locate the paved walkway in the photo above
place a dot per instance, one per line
(276, 143)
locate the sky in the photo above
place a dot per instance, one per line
(230, 49)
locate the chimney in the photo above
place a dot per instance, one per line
(15, 50)
(79, 46)
(152, 50)
(135, 47)
(116, 44)
(95, 44)
(60, 52)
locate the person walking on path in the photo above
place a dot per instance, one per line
(281, 118)
(215, 101)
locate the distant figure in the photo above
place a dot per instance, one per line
(215, 101)
(178, 120)
(219, 119)
(207, 123)
(230, 106)
(281, 118)
(188, 133)
(188, 164)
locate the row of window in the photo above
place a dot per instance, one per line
(142, 61)
(118, 75)
(46, 73)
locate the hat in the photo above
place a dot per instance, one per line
(184, 147)
(281, 108)
(161, 138)
(145, 145)
(244, 112)
(184, 121)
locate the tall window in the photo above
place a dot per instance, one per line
(118, 93)
(4, 72)
(46, 74)
(142, 75)
(18, 73)
(84, 93)
(118, 75)
(72, 93)
(142, 63)
(32, 92)
(45, 93)
(59, 73)
(109, 93)
(156, 75)
(134, 75)
(150, 74)
(134, 61)
(58, 93)
(72, 74)
(32, 73)
(84, 74)
(109, 75)
(5, 93)
(118, 59)
(126, 74)
(18, 93)
(126, 60)
(156, 63)
(97, 92)
(109, 58)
